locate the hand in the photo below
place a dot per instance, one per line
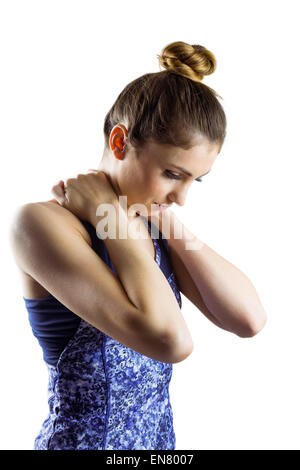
(83, 194)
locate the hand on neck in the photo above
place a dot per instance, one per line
(105, 168)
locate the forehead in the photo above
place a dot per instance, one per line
(198, 159)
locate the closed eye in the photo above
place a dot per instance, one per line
(175, 176)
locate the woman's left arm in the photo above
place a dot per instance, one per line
(227, 293)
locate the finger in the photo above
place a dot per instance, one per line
(60, 183)
(93, 172)
(59, 194)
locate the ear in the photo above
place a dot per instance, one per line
(117, 140)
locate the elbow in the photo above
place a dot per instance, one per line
(185, 354)
(254, 325)
(181, 352)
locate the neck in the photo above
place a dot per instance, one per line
(105, 167)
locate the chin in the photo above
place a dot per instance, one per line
(149, 210)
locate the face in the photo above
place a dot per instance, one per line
(149, 176)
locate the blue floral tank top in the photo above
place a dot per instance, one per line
(102, 395)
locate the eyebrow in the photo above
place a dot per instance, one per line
(187, 172)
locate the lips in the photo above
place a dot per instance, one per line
(163, 205)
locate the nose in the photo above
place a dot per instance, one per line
(179, 196)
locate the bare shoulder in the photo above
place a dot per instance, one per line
(68, 217)
(54, 214)
(58, 214)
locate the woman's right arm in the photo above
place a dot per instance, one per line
(57, 256)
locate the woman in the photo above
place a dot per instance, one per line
(106, 309)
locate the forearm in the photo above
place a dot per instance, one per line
(227, 292)
(142, 279)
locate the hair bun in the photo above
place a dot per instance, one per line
(191, 61)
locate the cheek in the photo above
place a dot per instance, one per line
(136, 179)
(156, 190)
(143, 186)
(146, 184)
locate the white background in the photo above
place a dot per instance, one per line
(63, 65)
